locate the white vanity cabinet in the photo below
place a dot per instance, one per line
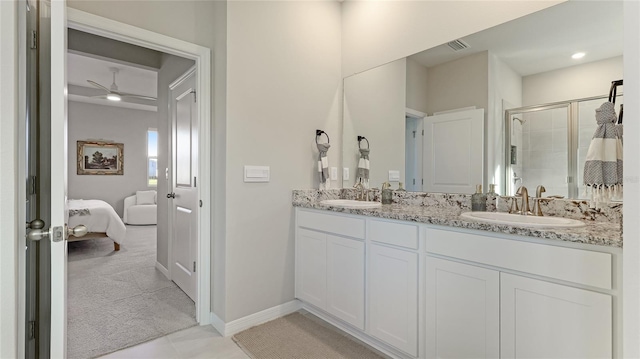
(425, 291)
(546, 320)
(330, 268)
(393, 297)
(463, 310)
(480, 312)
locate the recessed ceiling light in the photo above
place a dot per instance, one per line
(113, 97)
(578, 55)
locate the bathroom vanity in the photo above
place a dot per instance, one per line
(419, 281)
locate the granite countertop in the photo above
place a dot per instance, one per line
(600, 233)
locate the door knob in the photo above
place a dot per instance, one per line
(38, 234)
(77, 231)
(35, 224)
(171, 195)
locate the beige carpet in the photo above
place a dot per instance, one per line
(119, 299)
(296, 336)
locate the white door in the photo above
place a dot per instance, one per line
(56, 9)
(413, 153)
(345, 279)
(184, 195)
(454, 151)
(463, 310)
(393, 297)
(545, 320)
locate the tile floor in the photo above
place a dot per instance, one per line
(195, 342)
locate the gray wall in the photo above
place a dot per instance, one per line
(171, 68)
(114, 124)
(460, 83)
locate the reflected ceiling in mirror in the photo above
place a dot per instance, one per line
(441, 79)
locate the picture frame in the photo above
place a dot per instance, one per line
(100, 158)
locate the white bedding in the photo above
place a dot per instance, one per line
(103, 218)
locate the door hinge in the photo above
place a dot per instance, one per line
(32, 184)
(195, 96)
(423, 132)
(33, 40)
(194, 266)
(200, 203)
(32, 329)
(414, 181)
(414, 134)
(422, 181)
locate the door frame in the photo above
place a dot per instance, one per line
(115, 30)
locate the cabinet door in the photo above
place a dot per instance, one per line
(393, 297)
(463, 310)
(345, 279)
(311, 267)
(546, 320)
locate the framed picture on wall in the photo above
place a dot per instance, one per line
(100, 158)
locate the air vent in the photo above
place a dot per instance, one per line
(457, 45)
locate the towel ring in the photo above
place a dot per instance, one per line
(319, 133)
(360, 138)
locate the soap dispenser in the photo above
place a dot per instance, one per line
(479, 200)
(387, 193)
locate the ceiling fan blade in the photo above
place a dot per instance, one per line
(98, 85)
(129, 95)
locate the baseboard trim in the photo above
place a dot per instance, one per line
(238, 325)
(358, 334)
(217, 323)
(163, 270)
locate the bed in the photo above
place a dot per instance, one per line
(99, 217)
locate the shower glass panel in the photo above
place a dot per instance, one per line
(539, 149)
(586, 127)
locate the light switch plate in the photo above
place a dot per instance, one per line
(257, 173)
(333, 173)
(345, 174)
(394, 176)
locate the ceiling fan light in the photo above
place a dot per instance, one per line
(113, 97)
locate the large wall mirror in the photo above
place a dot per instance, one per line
(443, 120)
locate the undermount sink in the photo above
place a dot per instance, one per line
(350, 203)
(525, 221)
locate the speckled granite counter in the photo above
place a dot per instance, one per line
(445, 209)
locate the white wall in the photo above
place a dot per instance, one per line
(417, 80)
(459, 83)
(374, 107)
(505, 91)
(377, 32)
(91, 122)
(571, 83)
(284, 82)
(631, 209)
(171, 67)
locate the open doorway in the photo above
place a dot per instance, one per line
(121, 150)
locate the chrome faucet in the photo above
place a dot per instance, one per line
(360, 195)
(524, 193)
(537, 210)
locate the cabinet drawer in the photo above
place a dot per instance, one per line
(402, 235)
(573, 265)
(346, 226)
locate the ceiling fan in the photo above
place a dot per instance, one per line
(113, 93)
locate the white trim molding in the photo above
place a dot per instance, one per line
(101, 26)
(162, 269)
(238, 325)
